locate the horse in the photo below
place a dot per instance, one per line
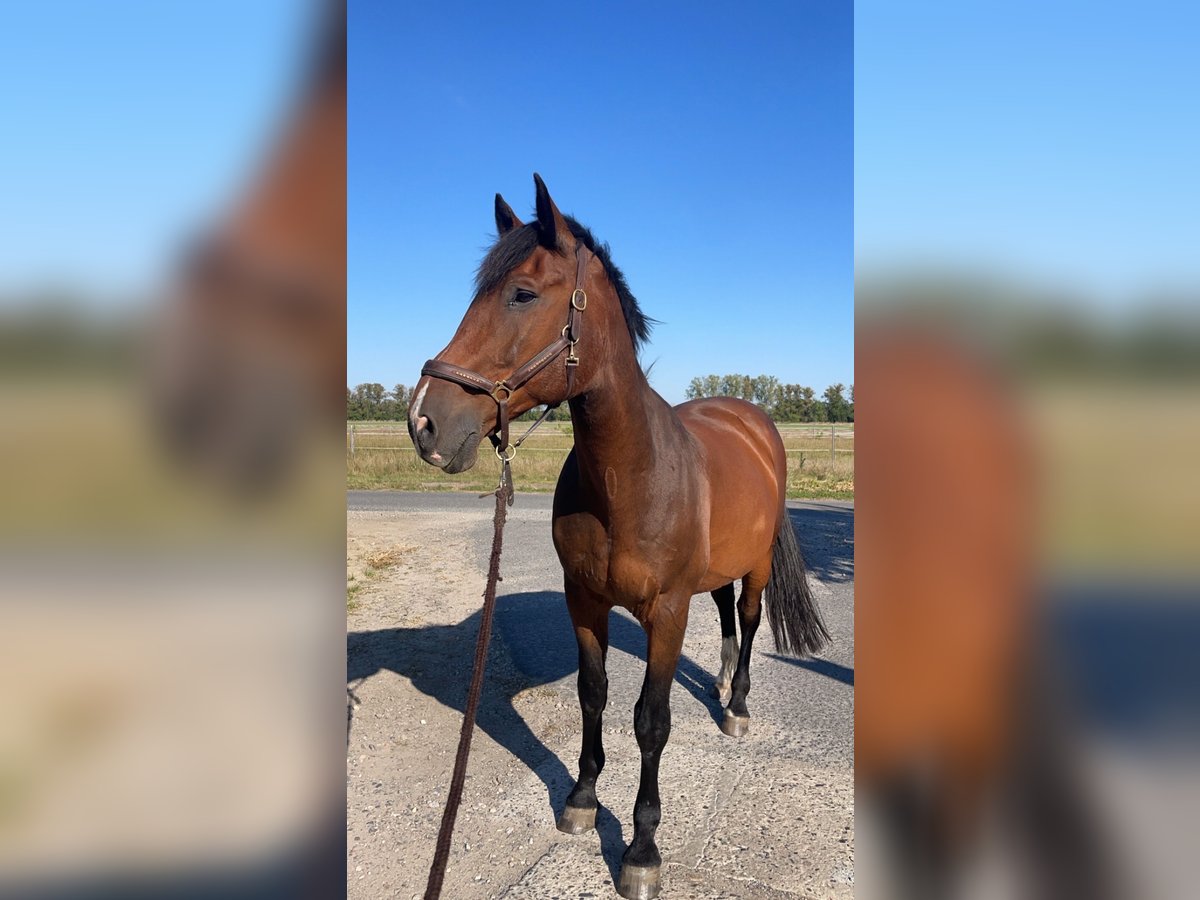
(960, 725)
(653, 504)
(249, 357)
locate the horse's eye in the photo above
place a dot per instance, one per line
(524, 297)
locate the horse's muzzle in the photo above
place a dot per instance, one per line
(452, 450)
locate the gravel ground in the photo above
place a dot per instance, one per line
(767, 815)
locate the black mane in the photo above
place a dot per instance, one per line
(518, 245)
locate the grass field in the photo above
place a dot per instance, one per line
(384, 458)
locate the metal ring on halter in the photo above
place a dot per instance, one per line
(579, 292)
(501, 386)
(510, 450)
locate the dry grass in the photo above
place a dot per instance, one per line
(384, 559)
(384, 459)
(83, 463)
(368, 567)
(1117, 481)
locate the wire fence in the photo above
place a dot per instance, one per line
(836, 438)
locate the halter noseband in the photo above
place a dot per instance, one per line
(501, 391)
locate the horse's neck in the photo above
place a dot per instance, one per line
(624, 432)
(295, 212)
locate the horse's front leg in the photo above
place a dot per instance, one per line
(589, 615)
(641, 865)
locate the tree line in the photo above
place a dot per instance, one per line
(373, 402)
(782, 402)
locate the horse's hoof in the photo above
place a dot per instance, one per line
(735, 725)
(576, 821)
(638, 882)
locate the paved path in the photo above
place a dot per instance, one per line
(768, 815)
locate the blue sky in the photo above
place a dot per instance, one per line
(1056, 143)
(710, 146)
(712, 150)
(126, 125)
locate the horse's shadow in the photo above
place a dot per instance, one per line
(533, 644)
(826, 535)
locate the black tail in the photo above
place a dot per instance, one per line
(795, 620)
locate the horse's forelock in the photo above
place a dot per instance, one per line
(513, 248)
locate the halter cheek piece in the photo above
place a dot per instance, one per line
(501, 391)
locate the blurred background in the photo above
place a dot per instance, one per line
(172, 352)
(172, 339)
(1028, 384)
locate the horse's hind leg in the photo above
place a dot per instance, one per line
(723, 686)
(737, 715)
(589, 615)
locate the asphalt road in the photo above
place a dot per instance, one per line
(767, 815)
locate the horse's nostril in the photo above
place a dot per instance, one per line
(426, 434)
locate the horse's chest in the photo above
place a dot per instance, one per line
(627, 575)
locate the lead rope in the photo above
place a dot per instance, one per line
(504, 499)
(441, 855)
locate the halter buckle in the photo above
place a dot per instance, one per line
(501, 386)
(579, 299)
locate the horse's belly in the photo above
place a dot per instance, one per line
(741, 534)
(728, 564)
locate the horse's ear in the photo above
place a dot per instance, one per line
(506, 219)
(551, 224)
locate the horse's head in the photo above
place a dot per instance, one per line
(247, 360)
(248, 363)
(521, 340)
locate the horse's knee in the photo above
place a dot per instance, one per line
(593, 694)
(652, 725)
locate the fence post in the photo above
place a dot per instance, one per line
(831, 432)
(351, 438)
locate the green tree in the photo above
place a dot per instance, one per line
(795, 403)
(560, 414)
(766, 393)
(400, 395)
(782, 402)
(836, 407)
(368, 398)
(810, 409)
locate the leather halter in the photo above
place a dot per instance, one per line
(501, 391)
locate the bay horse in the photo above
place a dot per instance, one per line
(961, 730)
(248, 361)
(653, 505)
